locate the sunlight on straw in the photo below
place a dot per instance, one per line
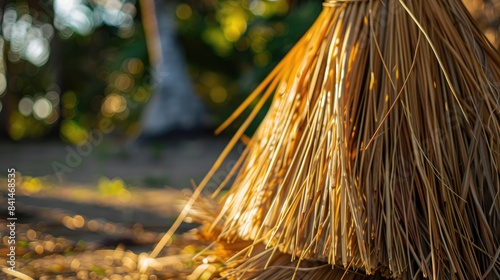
(382, 129)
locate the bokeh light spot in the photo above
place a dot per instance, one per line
(31, 234)
(53, 96)
(183, 11)
(235, 25)
(93, 225)
(67, 221)
(47, 30)
(25, 106)
(74, 265)
(75, 15)
(9, 19)
(19, 33)
(124, 82)
(232, 33)
(78, 221)
(113, 104)
(49, 246)
(141, 95)
(32, 185)
(65, 6)
(39, 249)
(258, 8)
(135, 66)
(28, 37)
(42, 108)
(37, 51)
(218, 94)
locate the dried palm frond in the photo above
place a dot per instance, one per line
(380, 153)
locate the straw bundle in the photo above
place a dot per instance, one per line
(380, 152)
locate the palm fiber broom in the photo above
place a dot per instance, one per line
(380, 154)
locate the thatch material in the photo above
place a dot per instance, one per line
(380, 152)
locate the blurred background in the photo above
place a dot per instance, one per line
(148, 80)
(107, 102)
(71, 66)
(68, 66)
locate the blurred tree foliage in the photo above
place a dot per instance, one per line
(94, 71)
(71, 66)
(232, 45)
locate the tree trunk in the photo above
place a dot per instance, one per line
(174, 105)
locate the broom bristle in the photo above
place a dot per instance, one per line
(381, 149)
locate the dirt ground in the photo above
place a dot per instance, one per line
(172, 163)
(74, 203)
